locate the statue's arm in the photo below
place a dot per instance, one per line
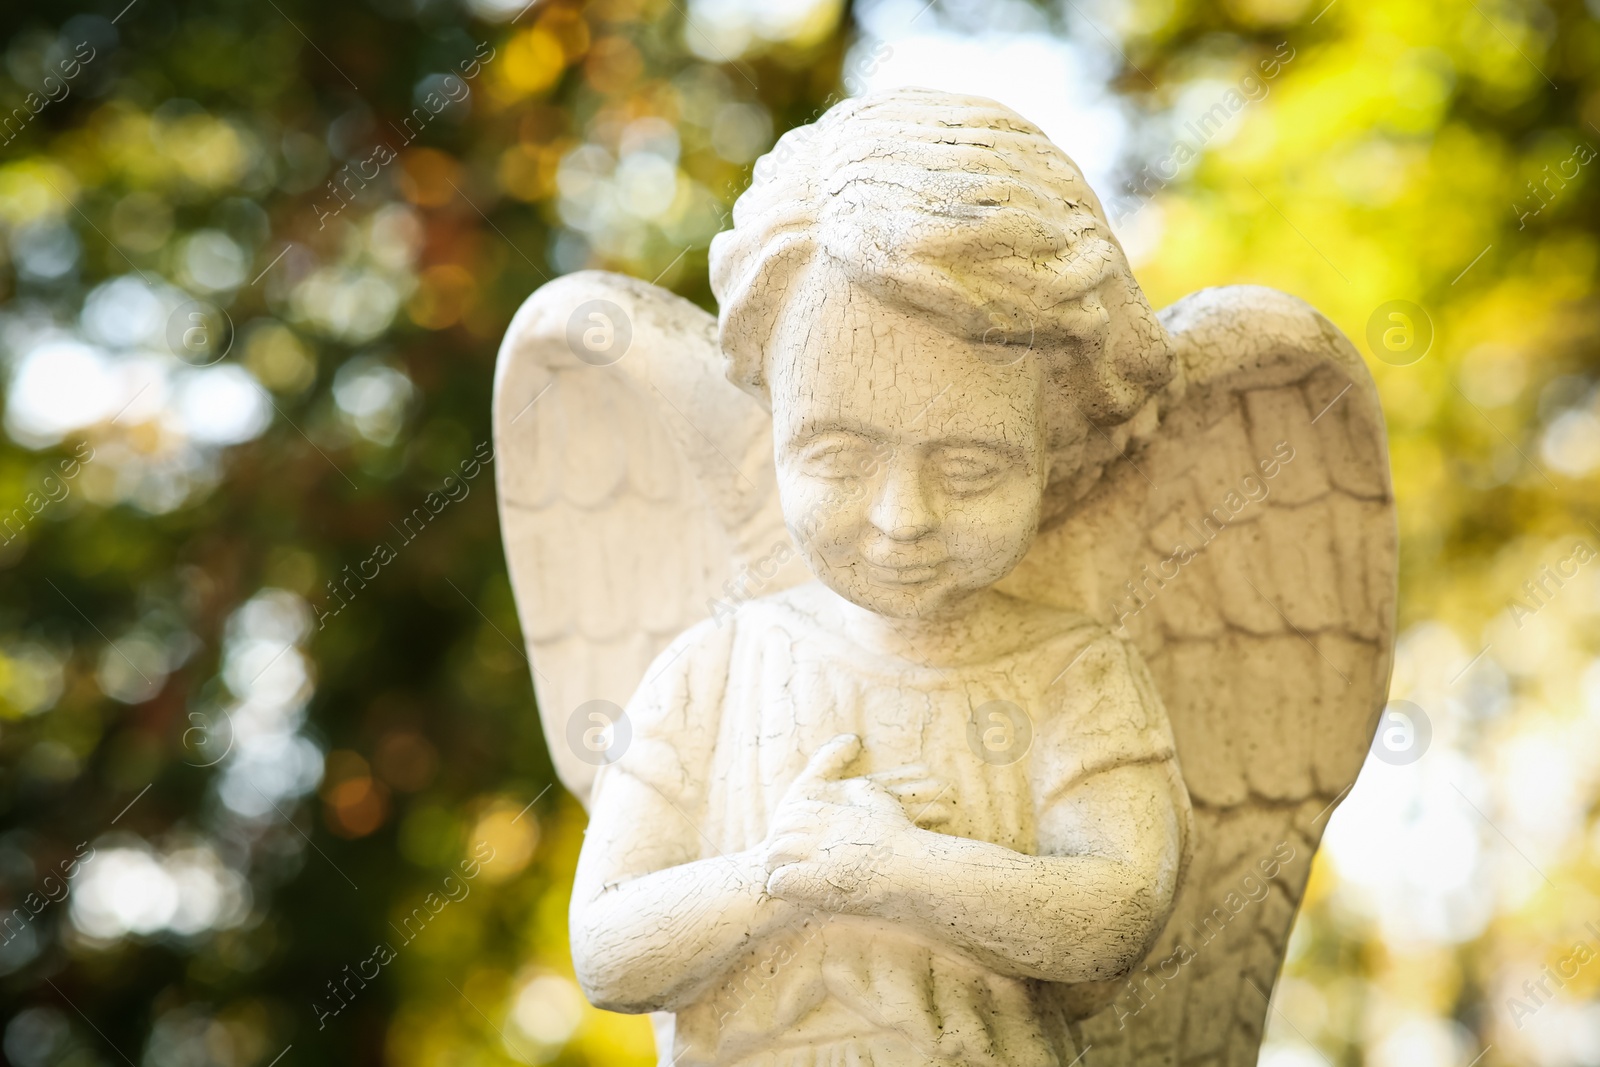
(652, 924)
(1088, 910)
(1112, 825)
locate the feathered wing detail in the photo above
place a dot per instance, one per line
(1248, 550)
(637, 497)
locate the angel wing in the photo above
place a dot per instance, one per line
(1249, 552)
(637, 496)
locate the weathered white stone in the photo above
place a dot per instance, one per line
(993, 648)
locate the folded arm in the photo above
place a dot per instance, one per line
(653, 924)
(1087, 909)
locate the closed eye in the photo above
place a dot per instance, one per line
(839, 456)
(971, 470)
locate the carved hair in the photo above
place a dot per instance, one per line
(959, 209)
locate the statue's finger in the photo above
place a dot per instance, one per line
(922, 788)
(786, 849)
(830, 761)
(804, 885)
(909, 772)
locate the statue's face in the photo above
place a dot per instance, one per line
(910, 467)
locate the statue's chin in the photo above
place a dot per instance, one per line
(927, 601)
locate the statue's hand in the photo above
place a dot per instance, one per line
(833, 840)
(926, 800)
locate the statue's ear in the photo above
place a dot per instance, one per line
(1116, 354)
(1139, 350)
(763, 283)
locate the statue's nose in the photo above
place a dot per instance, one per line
(901, 509)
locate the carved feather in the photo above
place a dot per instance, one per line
(636, 495)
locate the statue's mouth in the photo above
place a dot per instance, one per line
(911, 574)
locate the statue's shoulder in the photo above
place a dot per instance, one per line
(1051, 637)
(700, 656)
(690, 672)
(807, 608)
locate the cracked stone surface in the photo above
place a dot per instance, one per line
(986, 651)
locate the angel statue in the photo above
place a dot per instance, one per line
(959, 660)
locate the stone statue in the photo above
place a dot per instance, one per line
(993, 649)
